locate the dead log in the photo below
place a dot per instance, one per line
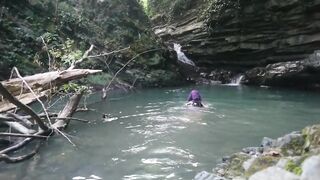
(41, 84)
(25, 121)
(4, 117)
(24, 98)
(6, 94)
(19, 127)
(68, 111)
(8, 159)
(22, 143)
(70, 108)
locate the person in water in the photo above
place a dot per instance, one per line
(195, 98)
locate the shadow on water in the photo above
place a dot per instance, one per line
(152, 134)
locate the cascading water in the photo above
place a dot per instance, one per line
(181, 56)
(236, 81)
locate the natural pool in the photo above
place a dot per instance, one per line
(153, 135)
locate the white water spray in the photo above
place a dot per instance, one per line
(181, 56)
(236, 81)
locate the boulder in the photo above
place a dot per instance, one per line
(274, 173)
(311, 168)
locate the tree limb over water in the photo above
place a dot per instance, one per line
(18, 92)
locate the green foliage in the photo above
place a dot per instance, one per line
(101, 79)
(64, 53)
(293, 167)
(68, 28)
(73, 88)
(180, 6)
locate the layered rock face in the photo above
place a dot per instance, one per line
(243, 34)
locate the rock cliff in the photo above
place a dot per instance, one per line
(242, 34)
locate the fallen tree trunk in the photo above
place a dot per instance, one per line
(70, 108)
(60, 124)
(41, 84)
(8, 159)
(6, 94)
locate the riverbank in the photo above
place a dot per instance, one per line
(294, 156)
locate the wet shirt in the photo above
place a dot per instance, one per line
(194, 96)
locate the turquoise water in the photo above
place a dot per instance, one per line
(151, 134)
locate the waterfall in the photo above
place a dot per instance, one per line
(236, 81)
(181, 56)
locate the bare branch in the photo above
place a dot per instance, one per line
(47, 50)
(21, 144)
(37, 98)
(109, 53)
(85, 56)
(73, 119)
(106, 88)
(23, 135)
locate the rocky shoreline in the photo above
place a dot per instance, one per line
(295, 156)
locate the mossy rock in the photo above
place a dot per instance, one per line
(293, 167)
(294, 148)
(235, 167)
(311, 135)
(261, 163)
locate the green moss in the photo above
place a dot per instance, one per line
(294, 148)
(293, 167)
(312, 137)
(261, 163)
(235, 167)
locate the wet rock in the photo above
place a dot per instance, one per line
(311, 168)
(226, 158)
(204, 175)
(267, 142)
(224, 76)
(274, 173)
(282, 163)
(253, 150)
(290, 144)
(284, 158)
(312, 139)
(304, 72)
(247, 164)
(260, 163)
